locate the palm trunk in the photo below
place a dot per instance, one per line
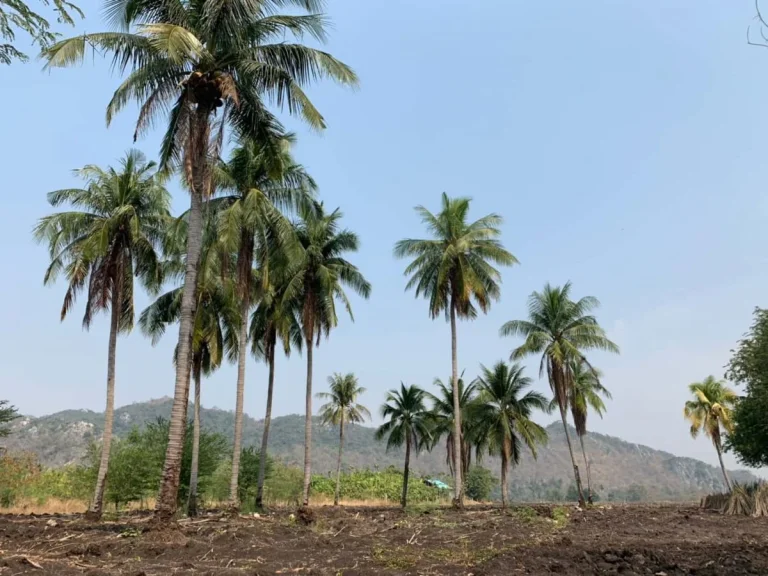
(308, 427)
(404, 497)
(242, 342)
(586, 464)
(267, 420)
(192, 502)
(582, 503)
(338, 464)
(97, 506)
(722, 466)
(504, 466)
(197, 165)
(458, 441)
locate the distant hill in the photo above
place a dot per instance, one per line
(618, 467)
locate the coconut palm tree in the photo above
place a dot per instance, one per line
(260, 181)
(504, 414)
(215, 320)
(711, 412)
(407, 422)
(584, 393)
(454, 271)
(112, 233)
(442, 421)
(190, 62)
(342, 407)
(561, 330)
(316, 277)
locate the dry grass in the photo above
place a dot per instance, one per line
(50, 506)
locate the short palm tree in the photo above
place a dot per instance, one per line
(112, 233)
(407, 421)
(215, 320)
(503, 414)
(454, 271)
(189, 62)
(259, 180)
(442, 421)
(711, 412)
(584, 393)
(342, 407)
(561, 330)
(316, 276)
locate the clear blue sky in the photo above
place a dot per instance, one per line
(623, 142)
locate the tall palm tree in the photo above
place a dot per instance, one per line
(504, 415)
(261, 179)
(584, 393)
(342, 407)
(317, 278)
(275, 317)
(454, 271)
(442, 422)
(561, 330)
(711, 411)
(407, 422)
(112, 233)
(215, 319)
(190, 60)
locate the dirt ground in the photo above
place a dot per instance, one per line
(658, 540)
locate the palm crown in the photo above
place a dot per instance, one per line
(342, 405)
(584, 393)
(407, 419)
(711, 411)
(115, 231)
(441, 417)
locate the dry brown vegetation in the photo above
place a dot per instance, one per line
(628, 540)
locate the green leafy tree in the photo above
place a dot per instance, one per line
(407, 423)
(442, 422)
(16, 16)
(260, 179)
(561, 330)
(504, 416)
(248, 479)
(584, 393)
(215, 319)
(186, 61)
(748, 367)
(113, 232)
(8, 414)
(454, 271)
(342, 407)
(317, 276)
(480, 483)
(711, 412)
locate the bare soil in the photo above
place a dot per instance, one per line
(628, 540)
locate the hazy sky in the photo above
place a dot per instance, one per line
(623, 143)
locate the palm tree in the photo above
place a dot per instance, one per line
(262, 180)
(454, 271)
(504, 416)
(113, 232)
(561, 330)
(442, 422)
(317, 278)
(275, 317)
(215, 317)
(342, 407)
(189, 60)
(584, 393)
(407, 422)
(711, 411)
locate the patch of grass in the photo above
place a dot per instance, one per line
(560, 515)
(423, 508)
(465, 554)
(397, 558)
(525, 514)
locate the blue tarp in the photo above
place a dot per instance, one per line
(439, 484)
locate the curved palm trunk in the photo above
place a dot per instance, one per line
(193, 475)
(308, 427)
(404, 497)
(504, 467)
(573, 459)
(338, 464)
(97, 506)
(242, 342)
(267, 420)
(197, 165)
(458, 441)
(722, 465)
(589, 472)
